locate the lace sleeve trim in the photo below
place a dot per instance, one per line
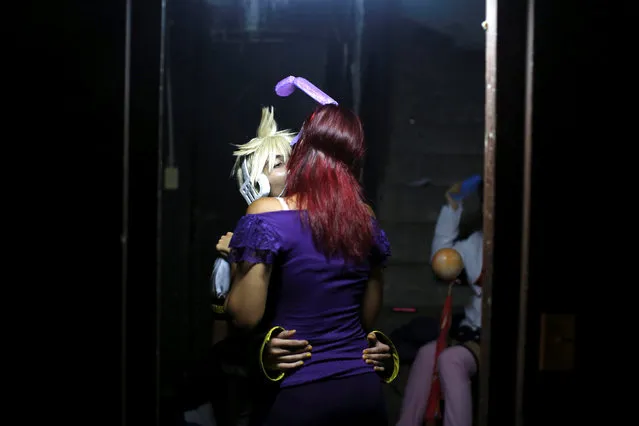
(382, 249)
(254, 241)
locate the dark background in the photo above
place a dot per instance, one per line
(90, 84)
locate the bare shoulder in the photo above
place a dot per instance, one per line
(370, 210)
(264, 205)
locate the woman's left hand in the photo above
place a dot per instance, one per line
(282, 353)
(378, 354)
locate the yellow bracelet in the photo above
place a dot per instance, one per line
(267, 338)
(386, 340)
(218, 309)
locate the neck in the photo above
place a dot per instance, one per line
(283, 191)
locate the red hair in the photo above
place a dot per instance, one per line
(323, 170)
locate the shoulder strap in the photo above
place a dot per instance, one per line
(282, 202)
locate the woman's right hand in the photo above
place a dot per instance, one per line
(284, 354)
(222, 245)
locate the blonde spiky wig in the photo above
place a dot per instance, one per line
(260, 152)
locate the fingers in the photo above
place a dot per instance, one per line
(286, 366)
(378, 357)
(287, 354)
(286, 334)
(283, 345)
(289, 344)
(279, 351)
(380, 352)
(291, 359)
(222, 245)
(375, 364)
(377, 349)
(377, 361)
(225, 239)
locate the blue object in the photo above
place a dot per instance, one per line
(468, 187)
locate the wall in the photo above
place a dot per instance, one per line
(459, 19)
(437, 126)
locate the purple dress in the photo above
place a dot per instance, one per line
(320, 298)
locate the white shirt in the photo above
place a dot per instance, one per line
(471, 252)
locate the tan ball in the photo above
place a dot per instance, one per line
(447, 264)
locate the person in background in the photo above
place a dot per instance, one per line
(458, 363)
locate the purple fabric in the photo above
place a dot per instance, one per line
(318, 297)
(351, 401)
(382, 250)
(253, 241)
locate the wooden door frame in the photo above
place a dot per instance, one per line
(507, 160)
